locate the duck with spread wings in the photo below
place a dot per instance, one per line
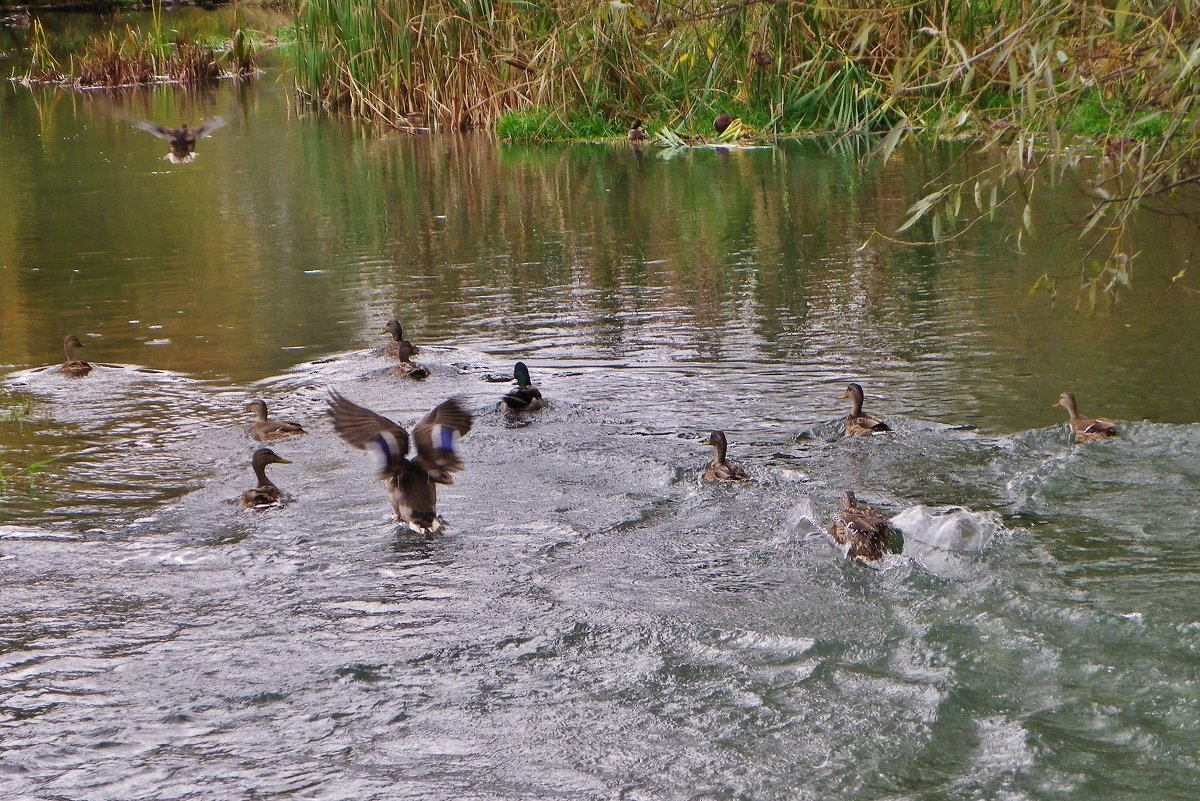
(182, 140)
(411, 483)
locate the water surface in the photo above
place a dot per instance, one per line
(595, 622)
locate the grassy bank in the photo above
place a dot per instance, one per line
(134, 55)
(783, 67)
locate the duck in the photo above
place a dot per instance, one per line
(722, 122)
(264, 429)
(182, 140)
(636, 132)
(411, 483)
(76, 368)
(22, 19)
(403, 350)
(525, 397)
(857, 423)
(266, 492)
(719, 469)
(1087, 429)
(863, 533)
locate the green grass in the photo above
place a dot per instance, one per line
(542, 125)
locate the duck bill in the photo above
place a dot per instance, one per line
(281, 460)
(845, 394)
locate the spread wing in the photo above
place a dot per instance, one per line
(437, 436)
(156, 130)
(363, 428)
(205, 128)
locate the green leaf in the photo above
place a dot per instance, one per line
(890, 141)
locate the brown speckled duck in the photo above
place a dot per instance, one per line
(1086, 429)
(719, 469)
(264, 429)
(182, 140)
(636, 132)
(266, 492)
(399, 347)
(76, 368)
(862, 532)
(857, 423)
(411, 483)
(402, 350)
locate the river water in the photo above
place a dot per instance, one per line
(594, 622)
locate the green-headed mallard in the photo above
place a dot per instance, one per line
(264, 429)
(411, 483)
(636, 132)
(722, 122)
(857, 423)
(1086, 429)
(719, 469)
(525, 397)
(862, 532)
(76, 368)
(266, 492)
(182, 140)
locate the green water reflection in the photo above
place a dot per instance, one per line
(294, 235)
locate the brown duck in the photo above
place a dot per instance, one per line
(636, 132)
(266, 492)
(411, 483)
(264, 429)
(720, 469)
(1086, 429)
(862, 532)
(402, 350)
(182, 140)
(857, 423)
(76, 368)
(722, 122)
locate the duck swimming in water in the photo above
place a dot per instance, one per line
(411, 483)
(182, 140)
(402, 350)
(862, 532)
(266, 492)
(857, 423)
(264, 429)
(719, 469)
(636, 132)
(525, 397)
(1087, 429)
(76, 368)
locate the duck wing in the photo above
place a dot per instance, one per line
(207, 127)
(363, 428)
(1104, 428)
(437, 436)
(157, 130)
(522, 398)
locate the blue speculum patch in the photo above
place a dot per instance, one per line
(445, 438)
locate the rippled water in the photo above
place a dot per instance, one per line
(595, 622)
